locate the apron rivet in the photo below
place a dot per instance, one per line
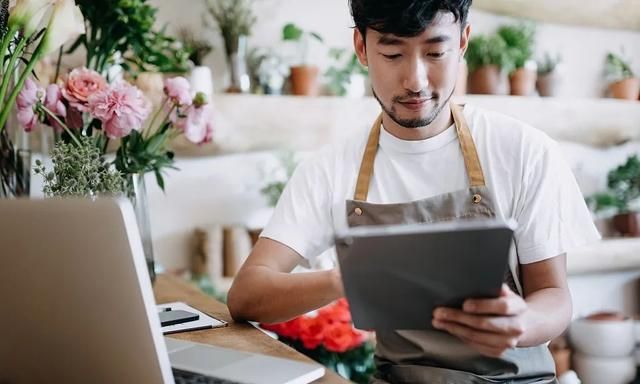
(358, 211)
(477, 199)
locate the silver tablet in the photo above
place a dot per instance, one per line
(395, 276)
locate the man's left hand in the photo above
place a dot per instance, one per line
(491, 326)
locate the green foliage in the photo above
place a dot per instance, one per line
(519, 40)
(137, 154)
(548, 63)
(616, 68)
(624, 187)
(234, 18)
(126, 26)
(273, 190)
(339, 77)
(487, 50)
(80, 171)
(291, 32)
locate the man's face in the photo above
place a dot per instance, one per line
(414, 77)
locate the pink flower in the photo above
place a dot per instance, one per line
(197, 125)
(121, 108)
(81, 83)
(53, 102)
(27, 103)
(178, 90)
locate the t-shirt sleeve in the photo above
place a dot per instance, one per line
(551, 212)
(302, 219)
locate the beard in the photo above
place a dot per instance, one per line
(417, 122)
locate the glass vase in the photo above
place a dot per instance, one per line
(240, 81)
(141, 208)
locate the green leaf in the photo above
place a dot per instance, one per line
(159, 179)
(291, 32)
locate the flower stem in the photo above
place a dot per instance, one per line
(155, 116)
(35, 57)
(10, 68)
(57, 120)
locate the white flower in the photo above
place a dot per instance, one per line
(28, 14)
(66, 23)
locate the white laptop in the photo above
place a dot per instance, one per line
(78, 307)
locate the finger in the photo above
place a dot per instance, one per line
(505, 290)
(485, 339)
(506, 325)
(502, 306)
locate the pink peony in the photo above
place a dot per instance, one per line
(197, 125)
(27, 102)
(121, 108)
(81, 83)
(53, 102)
(178, 90)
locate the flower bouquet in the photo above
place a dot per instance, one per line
(88, 113)
(30, 30)
(328, 337)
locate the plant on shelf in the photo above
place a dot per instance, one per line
(623, 192)
(346, 79)
(547, 81)
(623, 84)
(197, 48)
(486, 59)
(328, 336)
(122, 32)
(28, 32)
(234, 20)
(519, 40)
(304, 75)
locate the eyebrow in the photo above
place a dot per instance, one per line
(388, 39)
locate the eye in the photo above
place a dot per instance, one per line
(436, 55)
(391, 57)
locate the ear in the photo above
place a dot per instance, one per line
(464, 39)
(360, 47)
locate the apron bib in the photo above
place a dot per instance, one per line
(430, 356)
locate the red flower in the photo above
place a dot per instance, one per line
(340, 337)
(312, 331)
(289, 329)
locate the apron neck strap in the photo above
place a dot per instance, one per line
(468, 147)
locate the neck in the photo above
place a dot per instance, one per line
(437, 126)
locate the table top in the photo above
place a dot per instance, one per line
(240, 336)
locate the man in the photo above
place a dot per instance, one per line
(428, 159)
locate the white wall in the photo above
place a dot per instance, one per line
(583, 48)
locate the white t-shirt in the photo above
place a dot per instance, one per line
(523, 169)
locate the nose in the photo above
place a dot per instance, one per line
(415, 79)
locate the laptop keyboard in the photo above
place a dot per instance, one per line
(184, 377)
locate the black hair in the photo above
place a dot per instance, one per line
(404, 18)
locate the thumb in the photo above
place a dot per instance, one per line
(505, 290)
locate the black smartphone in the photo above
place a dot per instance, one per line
(177, 317)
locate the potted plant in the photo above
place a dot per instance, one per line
(346, 79)
(623, 191)
(486, 58)
(123, 33)
(519, 40)
(304, 76)
(268, 71)
(547, 82)
(201, 79)
(234, 19)
(623, 84)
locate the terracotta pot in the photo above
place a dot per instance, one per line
(485, 80)
(627, 89)
(628, 224)
(547, 84)
(522, 82)
(304, 80)
(463, 77)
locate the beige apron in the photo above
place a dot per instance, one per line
(430, 356)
